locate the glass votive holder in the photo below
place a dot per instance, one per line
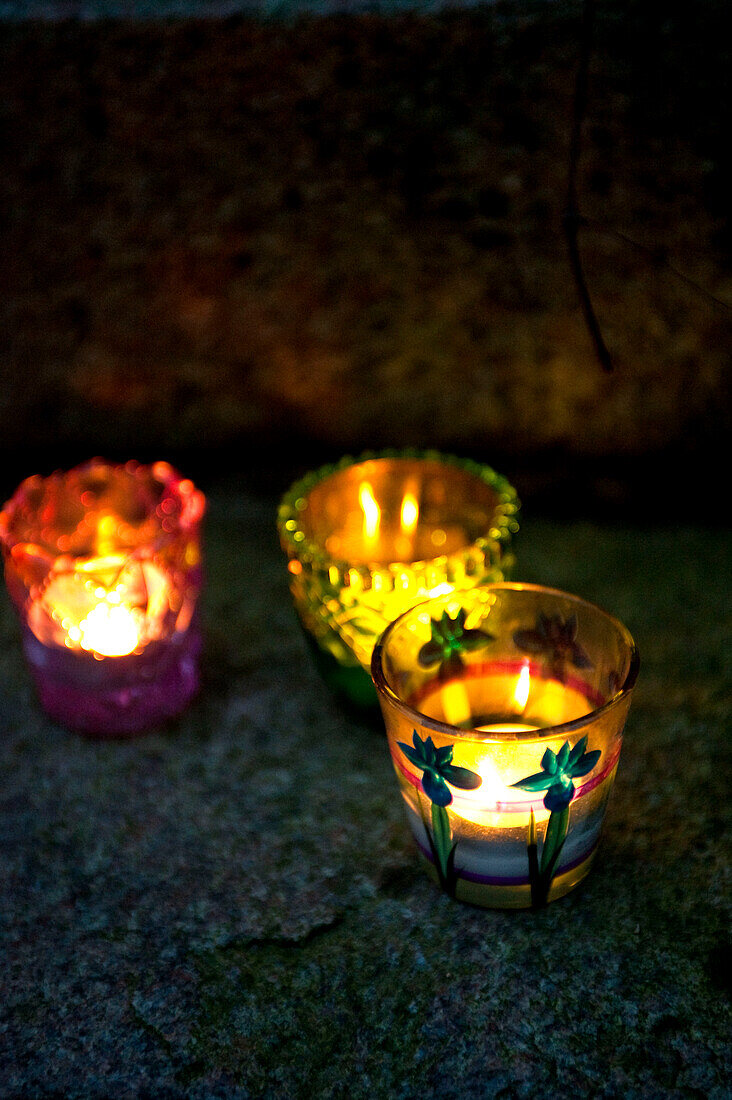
(103, 565)
(504, 709)
(369, 537)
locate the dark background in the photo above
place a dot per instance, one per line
(251, 246)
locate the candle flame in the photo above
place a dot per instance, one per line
(522, 689)
(410, 513)
(371, 512)
(109, 630)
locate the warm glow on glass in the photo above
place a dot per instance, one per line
(455, 703)
(109, 606)
(106, 537)
(487, 804)
(371, 511)
(372, 536)
(409, 513)
(103, 564)
(523, 687)
(111, 631)
(505, 722)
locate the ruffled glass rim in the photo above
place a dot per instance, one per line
(296, 543)
(190, 501)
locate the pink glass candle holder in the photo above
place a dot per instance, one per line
(103, 565)
(504, 708)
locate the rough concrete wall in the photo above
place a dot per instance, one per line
(350, 229)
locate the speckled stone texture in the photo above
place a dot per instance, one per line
(351, 228)
(232, 907)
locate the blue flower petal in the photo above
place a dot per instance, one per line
(558, 797)
(436, 789)
(460, 777)
(530, 641)
(429, 654)
(563, 756)
(580, 658)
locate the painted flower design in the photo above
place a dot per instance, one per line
(555, 638)
(558, 771)
(449, 639)
(438, 770)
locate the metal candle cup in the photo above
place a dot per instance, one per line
(103, 565)
(504, 708)
(368, 538)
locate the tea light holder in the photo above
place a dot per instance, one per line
(369, 537)
(103, 565)
(504, 709)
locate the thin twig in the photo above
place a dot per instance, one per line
(572, 219)
(658, 258)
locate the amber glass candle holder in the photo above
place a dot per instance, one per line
(103, 565)
(368, 538)
(504, 708)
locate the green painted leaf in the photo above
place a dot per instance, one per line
(411, 754)
(563, 756)
(556, 832)
(476, 639)
(551, 869)
(441, 835)
(535, 880)
(549, 762)
(576, 752)
(444, 755)
(450, 872)
(539, 782)
(586, 763)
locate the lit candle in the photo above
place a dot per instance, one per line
(366, 539)
(504, 708)
(103, 565)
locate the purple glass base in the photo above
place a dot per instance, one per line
(116, 696)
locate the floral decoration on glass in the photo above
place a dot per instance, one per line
(555, 639)
(437, 772)
(556, 775)
(515, 821)
(450, 638)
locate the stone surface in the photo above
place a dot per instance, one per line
(232, 907)
(349, 229)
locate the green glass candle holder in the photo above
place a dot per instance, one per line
(504, 708)
(371, 536)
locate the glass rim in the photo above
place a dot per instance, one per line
(296, 542)
(540, 733)
(173, 486)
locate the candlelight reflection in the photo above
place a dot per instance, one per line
(371, 512)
